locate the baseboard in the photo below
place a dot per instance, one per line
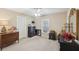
(22, 38)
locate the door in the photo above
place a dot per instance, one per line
(45, 27)
(21, 26)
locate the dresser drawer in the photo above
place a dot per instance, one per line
(13, 35)
(8, 39)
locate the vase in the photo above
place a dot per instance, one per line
(3, 29)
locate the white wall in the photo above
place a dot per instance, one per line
(56, 21)
(11, 16)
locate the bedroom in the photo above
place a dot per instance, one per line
(45, 21)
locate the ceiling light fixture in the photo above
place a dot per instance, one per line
(37, 12)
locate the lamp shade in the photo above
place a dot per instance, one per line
(3, 22)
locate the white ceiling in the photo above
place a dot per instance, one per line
(43, 11)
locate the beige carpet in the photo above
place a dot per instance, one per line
(36, 43)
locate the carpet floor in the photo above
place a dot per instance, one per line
(36, 43)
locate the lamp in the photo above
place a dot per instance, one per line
(3, 23)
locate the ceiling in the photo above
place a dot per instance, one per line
(43, 11)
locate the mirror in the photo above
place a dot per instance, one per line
(71, 25)
(73, 21)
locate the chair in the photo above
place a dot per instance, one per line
(52, 35)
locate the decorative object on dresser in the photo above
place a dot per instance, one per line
(7, 39)
(3, 29)
(12, 29)
(4, 23)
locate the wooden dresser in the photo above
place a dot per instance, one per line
(8, 38)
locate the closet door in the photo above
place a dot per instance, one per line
(21, 26)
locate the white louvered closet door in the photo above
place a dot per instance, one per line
(21, 26)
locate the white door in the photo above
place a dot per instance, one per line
(45, 27)
(21, 26)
